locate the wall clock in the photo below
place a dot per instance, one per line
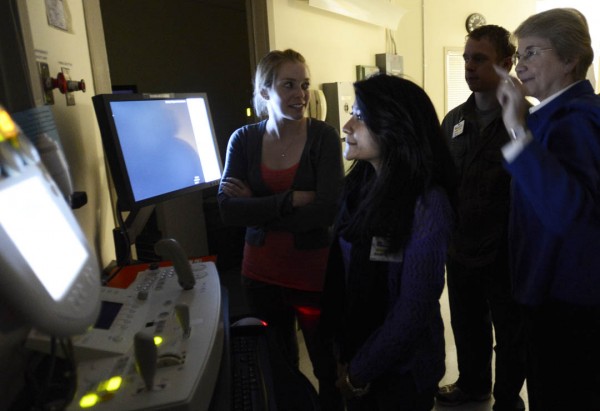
(474, 20)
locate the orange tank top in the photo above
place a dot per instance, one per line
(277, 261)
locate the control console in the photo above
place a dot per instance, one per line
(156, 345)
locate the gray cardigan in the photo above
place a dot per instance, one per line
(320, 170)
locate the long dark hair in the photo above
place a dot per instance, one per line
(414, 158)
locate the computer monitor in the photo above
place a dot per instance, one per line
(158, 146)
(50, 278)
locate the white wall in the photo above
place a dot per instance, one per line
(334, 44)
(445, 27)
(76, 124)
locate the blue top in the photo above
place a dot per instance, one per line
(554, 230)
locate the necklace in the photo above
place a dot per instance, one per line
(293, 136)
(288, 147)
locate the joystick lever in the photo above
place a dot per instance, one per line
(182, 312)
(170, 249)
(146, 355)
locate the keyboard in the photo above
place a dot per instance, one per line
(251, 370)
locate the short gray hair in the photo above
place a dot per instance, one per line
(568, 32)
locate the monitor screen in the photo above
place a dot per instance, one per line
(50, 276)
(41, 233)
(158, 146)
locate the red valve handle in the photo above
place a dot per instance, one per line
(64, 85)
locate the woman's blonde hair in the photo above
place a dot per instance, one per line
(266, 71)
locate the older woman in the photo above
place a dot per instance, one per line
(554, 161)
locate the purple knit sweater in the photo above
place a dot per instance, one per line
(406, 333)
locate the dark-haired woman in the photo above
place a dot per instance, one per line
(386, 268)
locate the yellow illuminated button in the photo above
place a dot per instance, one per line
(110, 385)
(114, 384)
(8, 129)
(248, 112)
(158, 340)
(88, 400)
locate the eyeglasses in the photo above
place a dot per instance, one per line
(528, 55)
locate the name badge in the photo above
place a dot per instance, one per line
(458, 129)
(379, 251)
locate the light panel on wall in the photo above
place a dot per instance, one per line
(378, 12)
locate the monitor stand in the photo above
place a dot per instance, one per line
(127, 233)
(181, 218)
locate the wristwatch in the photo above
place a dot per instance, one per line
(358, 392)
